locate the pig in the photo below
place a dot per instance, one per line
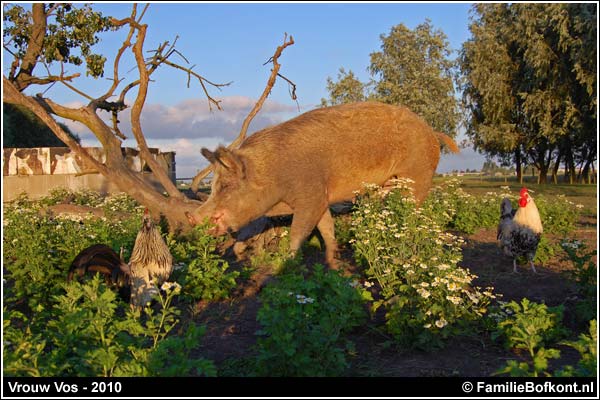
(318, 158)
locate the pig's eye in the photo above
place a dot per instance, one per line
(222, 187)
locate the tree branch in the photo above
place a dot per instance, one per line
(159, 58)
(242, 135)
(34, 48)
(136, 111)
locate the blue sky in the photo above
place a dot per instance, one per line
(231, 41)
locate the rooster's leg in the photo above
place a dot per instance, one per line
(515, 266)
(533, 267)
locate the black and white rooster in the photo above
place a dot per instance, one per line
(519, 231)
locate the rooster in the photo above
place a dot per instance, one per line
(151, 263)
(519, 231)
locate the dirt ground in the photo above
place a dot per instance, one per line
(231, 325)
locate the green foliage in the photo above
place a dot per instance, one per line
(559, 215)
(530, 326)
(587, 346)
(23, 350)
(38, 249)
(456, 209)
(528, 81)
(426, 295)
(347, 89)
(303, 321)
(413, 69)
(201, 272)
(56, 329)
(23, 129)
(545, 251)
(68, 38)
(172, 348)
(585, 274)
(89, 332)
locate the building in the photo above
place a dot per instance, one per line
(36, 171)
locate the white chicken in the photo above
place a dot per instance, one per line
(519, 231)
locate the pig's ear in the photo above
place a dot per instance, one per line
(226, 158)
(209, 155)
(230, 161)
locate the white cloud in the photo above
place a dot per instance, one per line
(192, 118)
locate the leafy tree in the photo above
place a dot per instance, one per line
(22, 128)
(347, 89)
(413, 69)
(52, 33)
(528, 82)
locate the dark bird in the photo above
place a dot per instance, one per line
(519, 231)
(100, 258)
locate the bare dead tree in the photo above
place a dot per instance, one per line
(257, 106)
(174, 205)
(114, 169)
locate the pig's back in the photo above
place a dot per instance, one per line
(346, 145)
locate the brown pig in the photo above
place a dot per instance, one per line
(321, 157)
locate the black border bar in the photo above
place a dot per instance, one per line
(299, 387)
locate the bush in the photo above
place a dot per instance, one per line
(90, 332)
(201, 272)
(585, 275)
(453, 208)
(38, 249)
(529, 326)
(52, 328)
(303, 320)
(426, 295)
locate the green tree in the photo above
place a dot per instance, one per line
(413, 69)
(528, 82)
(347, 89)
(22, 128)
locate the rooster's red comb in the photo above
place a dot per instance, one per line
(523, 191)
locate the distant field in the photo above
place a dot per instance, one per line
(578, 193)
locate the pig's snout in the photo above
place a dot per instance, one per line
(191, 219)
(218, 219)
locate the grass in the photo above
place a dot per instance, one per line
(577, 193)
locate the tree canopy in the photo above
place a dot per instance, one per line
(347, 89)
(412, 69)
(528, 78)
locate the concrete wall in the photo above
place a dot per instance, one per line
(37, 171)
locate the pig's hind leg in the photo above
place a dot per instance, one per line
(326, 229)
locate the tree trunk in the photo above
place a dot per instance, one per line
(519, 166)
(543, 174)
(569, 164)
(556, 167)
